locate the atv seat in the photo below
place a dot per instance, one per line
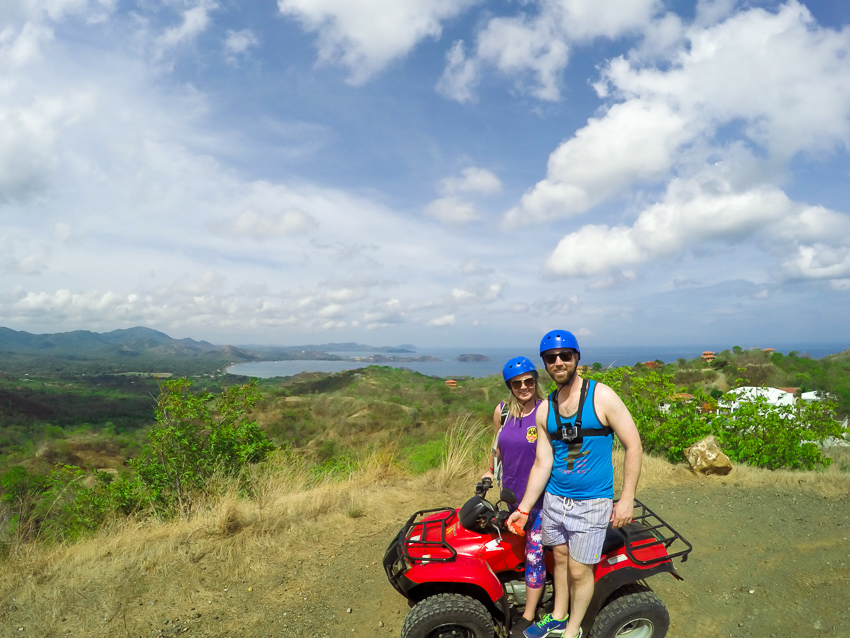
(616, 539)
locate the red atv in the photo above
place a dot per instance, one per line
(462, 572)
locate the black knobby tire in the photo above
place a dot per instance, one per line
(448, 616)
(633, 611)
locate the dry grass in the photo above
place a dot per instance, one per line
(184, 564)
(831, 482)
(466, 443)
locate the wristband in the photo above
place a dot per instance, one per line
(491, 469)
(521, 512)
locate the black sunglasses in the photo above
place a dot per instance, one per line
(566, 356)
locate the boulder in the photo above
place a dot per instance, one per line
(706, 457)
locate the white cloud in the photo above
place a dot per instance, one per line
(261, 227)
(472, 180)
(820, 261)
(456, 211)
(18, 48)
(439, 322)
(634, 141)
(484, 293)
(195, 21)
(533, 46)
(704, 210)
(91, 10)
(518, 46)
(452, 211)
(460, 76)
(717, 138)
(366, 35)
(800, 101)
(237, 44)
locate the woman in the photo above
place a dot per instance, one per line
(515, 446)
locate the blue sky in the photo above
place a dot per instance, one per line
(436, 172)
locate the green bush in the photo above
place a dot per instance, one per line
(757, 433)
(197, 437)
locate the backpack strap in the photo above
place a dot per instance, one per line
(575, 433)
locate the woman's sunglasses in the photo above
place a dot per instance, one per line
(518, 384)
(566, 357)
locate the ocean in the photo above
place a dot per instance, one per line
(447, 366)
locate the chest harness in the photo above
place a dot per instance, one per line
(574, 434)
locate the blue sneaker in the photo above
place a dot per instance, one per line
(546, 626)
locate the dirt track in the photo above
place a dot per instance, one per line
(788, 547)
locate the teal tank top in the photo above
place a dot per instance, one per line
(583, 470)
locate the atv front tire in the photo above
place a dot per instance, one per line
(633, 611)
(448, 616)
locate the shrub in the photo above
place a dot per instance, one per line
(197, 437)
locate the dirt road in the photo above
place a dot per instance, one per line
(765, 563)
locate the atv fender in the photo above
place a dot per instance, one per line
(470, 572)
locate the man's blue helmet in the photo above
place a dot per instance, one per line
(517, 366)
(558, 339)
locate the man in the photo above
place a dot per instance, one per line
(573, 465)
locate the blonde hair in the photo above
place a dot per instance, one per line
(515, 407)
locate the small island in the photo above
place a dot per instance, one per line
(469, 358)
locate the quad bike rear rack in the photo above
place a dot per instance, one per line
(647, 530)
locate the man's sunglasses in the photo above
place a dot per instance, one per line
(517, 384)
(566, 357)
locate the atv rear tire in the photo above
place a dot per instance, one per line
(448, 616)
(633, 611)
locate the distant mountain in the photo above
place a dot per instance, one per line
(132, 342)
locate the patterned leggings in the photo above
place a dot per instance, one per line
(535, 568)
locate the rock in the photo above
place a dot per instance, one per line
(706, 457)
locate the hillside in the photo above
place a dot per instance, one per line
(769, 559)
(132, 342)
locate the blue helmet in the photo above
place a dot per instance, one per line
(558, 339)
(517, 366)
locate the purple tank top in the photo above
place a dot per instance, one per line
(518, 447)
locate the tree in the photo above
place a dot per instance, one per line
(197, 437)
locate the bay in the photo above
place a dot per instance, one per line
(448, 366)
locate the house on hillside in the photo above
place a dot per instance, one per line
(774, 396)
(679, 397)
(708, 355)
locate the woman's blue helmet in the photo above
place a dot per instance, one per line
(558, 339)
(517, 366)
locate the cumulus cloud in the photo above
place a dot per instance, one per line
(366, 35)
(703, 210)
(709, 144)
(799, 103)
(634, 141)
(533, 46)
